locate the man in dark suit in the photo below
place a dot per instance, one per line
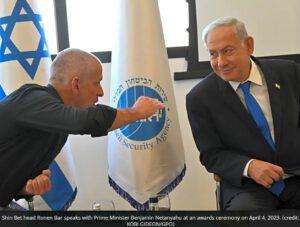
(231, 142)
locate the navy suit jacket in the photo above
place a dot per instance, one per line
(227, 136)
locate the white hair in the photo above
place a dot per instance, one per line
(239, 27)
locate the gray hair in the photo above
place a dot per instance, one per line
(69, 62)
(239, 27)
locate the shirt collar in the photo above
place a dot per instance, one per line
(254, 77)
(53, 91)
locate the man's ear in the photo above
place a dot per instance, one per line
(75, 84)
(249, 41)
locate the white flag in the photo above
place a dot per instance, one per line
(146, 157)
(24, 58)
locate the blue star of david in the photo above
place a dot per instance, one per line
(15, 53)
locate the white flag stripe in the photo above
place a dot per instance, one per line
(68, 170)
(146, 157)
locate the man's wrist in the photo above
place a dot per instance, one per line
(245, 172)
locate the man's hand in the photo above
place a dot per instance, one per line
(39, 185)
(264, 173)
(143, 107)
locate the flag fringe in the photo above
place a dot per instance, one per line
(143, 207)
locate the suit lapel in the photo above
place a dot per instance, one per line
(233, 101)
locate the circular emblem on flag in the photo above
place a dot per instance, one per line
(145, 129)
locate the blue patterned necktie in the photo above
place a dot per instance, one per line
(260, 120)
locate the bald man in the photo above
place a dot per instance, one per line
(36, 120)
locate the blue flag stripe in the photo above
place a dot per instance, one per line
(60, 188)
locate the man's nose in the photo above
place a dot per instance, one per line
(222, 60)
(100, 92)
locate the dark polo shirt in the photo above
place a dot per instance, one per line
(34, 126)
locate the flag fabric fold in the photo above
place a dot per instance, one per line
(25, 58)
(146, 157)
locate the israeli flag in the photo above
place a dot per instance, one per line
(147, 156)
(24, 58)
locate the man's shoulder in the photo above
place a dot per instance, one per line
(206, 85)
(276, 63)
(29, 91)
(280, 68)
(32, 87)
(28, 88)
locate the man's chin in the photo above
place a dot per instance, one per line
(227, 77)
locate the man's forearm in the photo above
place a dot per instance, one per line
(124, 117)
